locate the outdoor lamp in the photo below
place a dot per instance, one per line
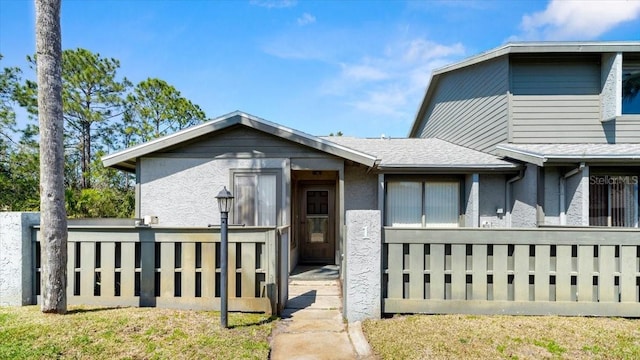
(225, 200)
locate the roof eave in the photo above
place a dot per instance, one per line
(542, 159)
(460, 168)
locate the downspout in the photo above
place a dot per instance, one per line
(507, 196)
(563, 190)
(375, 165)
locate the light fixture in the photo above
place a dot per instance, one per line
(225, 200)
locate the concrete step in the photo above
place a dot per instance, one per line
(314, 283)
(296, 290)
(314, 302)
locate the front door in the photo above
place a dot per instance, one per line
(317, 229)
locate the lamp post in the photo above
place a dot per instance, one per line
(225, 201)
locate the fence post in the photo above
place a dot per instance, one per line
(16, 258)
(363, 269)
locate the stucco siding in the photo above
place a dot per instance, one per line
(524, 198)
(360, 189)
(577, 196)
(557, 102)
(492, 198)
(611, 85)
(469, 106)
(551, 196)
(181, 192)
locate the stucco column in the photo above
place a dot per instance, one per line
(363, 269)
(16, 258)
(472, 213)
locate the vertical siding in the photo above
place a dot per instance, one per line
(556, 102)
(470, 106)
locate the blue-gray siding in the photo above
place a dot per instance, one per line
(241, 142)
(469, 107)
(557, 102)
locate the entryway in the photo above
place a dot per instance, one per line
(314, 210)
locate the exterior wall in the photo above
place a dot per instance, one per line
(470, 106)
(492, 198)
(181, 191)
(179, 185)
(363, 256)
(557, 102)
(578, 199)
(523, 199)
(552, 196)
(360, 189)
(627, 129)
(611, 86)
(472, 201)
(16, 258)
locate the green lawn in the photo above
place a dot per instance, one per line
(503, 337)
(131, 333)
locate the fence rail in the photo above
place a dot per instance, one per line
(169, 267)
(578, 271)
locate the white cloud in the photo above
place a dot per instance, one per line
(274, 4)
(392, 84)
(419, 50)
(363, 72)
(389, 102)
(578, 20)
(306, 19)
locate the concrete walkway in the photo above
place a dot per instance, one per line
(312, 326)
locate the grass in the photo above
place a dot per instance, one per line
(131, 333)
(503, 337)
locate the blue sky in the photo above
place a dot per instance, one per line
(360, 67)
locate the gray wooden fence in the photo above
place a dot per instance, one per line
(169, 267)
(577, 271)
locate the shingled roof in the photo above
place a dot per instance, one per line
(423, 154)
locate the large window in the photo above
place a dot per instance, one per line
(613, 200)
(631, 86)
(422, 203)
(255, 199)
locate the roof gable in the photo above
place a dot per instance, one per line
(126, 159)
(522, 48)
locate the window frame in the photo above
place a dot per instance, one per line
(423, 180)
(257, 172)
(631, 62)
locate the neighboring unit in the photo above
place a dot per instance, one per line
(569, 111)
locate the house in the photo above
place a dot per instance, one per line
(523, 136)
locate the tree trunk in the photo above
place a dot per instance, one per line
(53, 220)
(86, 156)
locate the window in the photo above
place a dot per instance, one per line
(255, 199)
(631, 86)
(613, 201)
(422, 203)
